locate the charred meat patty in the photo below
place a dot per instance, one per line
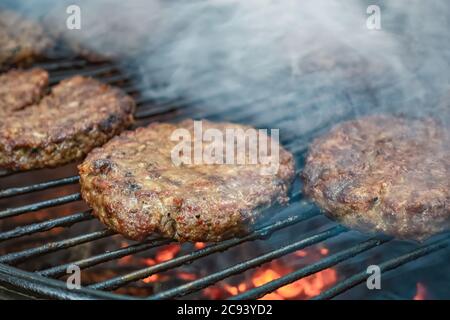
(76, 116)
(135, 189)
(384, 174)
(21, 39)
(19, 89)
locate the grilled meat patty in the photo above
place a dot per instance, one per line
(135, 189)
(78, 115)
(21, 39)
(19, 89)
(383, 173)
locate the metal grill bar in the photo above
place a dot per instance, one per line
(39, 205)
(61, 64)
(202, 113)
(157, 110)
(53, 202)
(43, 204)
(233, 109)
(179, 102)
(60, 270)
(154, 111)
(56, 77)
(118, 78)
(41, 287)
(133, 88)
(46, 225)
(112, 73)
(73, 179)
(385, 266)
(244, 266)
(230, 109)
(110, 80)
(291, 103)
(308, 270)
(5, 173)
(11, 192)
(222, 246)
(247, 115)
(17, 257)
(299, 145)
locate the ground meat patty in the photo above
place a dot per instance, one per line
(78, 115)
(135, 189)
(21, 39)
(19, 89)
(383, 173)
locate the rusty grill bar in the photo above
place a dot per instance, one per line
(43, 283)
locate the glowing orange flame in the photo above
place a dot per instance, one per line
(125, 261)
(200, 245)
(164, 254)
(168, 253)
(213, 293)
(152, 278)
(301, 253)
(149, 262)
(421, 292)
(263, 276)
(187, 276)
(242, 287)
(231, 289)
(304, 288)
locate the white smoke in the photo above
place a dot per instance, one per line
(272, 57)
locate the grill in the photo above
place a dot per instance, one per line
(46, 283)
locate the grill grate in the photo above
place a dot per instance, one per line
(43, 283)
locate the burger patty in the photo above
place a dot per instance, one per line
(79, 114)
(21, 39)
(19, 89)
(135, 189)
(384, 174)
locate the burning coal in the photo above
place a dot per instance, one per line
(304, 288)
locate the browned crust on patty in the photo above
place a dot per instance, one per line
(79, 114)
(385, 174)
(21, 88)
(21, 40)
(135, 189)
